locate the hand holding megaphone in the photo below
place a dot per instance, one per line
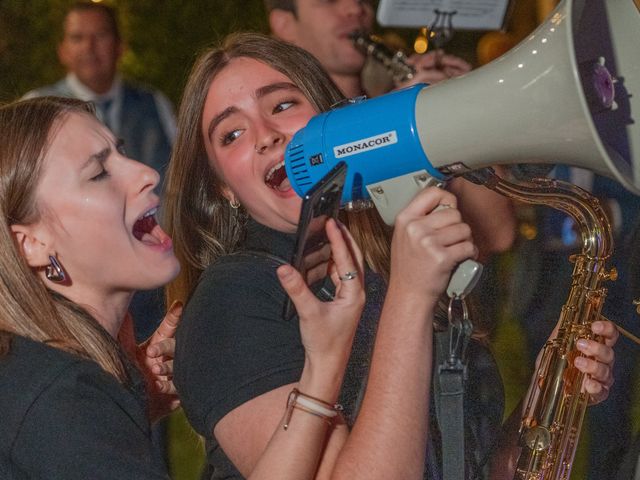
(430, 241)
(466, 275)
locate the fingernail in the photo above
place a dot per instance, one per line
(285, 271)
(582, 344)
(176, 307)
(597, 327)
(156, 369)
(580, 362)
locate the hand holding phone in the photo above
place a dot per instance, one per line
(313, 251)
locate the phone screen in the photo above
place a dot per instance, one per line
(319, 204)
(312, 250)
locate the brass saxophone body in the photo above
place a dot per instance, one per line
(395, 61)
(556, 403)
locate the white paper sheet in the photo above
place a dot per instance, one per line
(471, 14)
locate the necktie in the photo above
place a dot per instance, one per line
(103, 107)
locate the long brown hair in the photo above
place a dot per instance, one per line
(27, 307)
(196, 214)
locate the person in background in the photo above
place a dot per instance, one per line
(90, 49)
(323, 29)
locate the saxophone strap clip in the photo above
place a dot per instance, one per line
(461, 329)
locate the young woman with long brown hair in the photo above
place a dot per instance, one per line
(78, 237)
(233, 217)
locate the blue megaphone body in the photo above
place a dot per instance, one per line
(377, 138)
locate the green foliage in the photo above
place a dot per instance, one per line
(163, 38)
(185, 448)
(162, 51)
(28, 57)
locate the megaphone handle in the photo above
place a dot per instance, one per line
(464, 279)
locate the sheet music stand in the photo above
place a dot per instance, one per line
(463, 14)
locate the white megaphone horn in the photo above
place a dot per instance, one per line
(569, 94)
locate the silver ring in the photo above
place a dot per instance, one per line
(348, 276)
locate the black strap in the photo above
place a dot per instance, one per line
(452, 422)
(449, 402)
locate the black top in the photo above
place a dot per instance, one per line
(234, 343)
(63, 417)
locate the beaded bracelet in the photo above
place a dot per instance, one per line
(311, 405)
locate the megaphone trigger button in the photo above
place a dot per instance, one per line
(424, 180)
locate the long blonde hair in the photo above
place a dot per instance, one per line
(27, 307)
(196, 214)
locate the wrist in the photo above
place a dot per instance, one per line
(411, 298)
(322, 379)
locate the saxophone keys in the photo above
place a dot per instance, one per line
(610, 275)
(537, 438)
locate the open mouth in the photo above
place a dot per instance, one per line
(147, 230)
(277, 179)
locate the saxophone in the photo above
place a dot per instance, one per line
(395, 61)
(556, 402)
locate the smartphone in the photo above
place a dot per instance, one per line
(320, 203)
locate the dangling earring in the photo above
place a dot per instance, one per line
(54, 271)
(235, 204)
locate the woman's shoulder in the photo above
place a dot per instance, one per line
(239, 274)
(35, 363)
(70, 411)
(233, 294)
(31, 371)
(245, 260)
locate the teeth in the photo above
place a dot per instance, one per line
(150, 212)
(272, 171)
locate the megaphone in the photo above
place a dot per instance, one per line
(569, 94)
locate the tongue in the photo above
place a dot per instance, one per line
(150, 239)
(279, 180)
(284, 185)
(149, 232)
(143, 226)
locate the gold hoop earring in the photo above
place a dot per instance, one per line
(54, 271)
